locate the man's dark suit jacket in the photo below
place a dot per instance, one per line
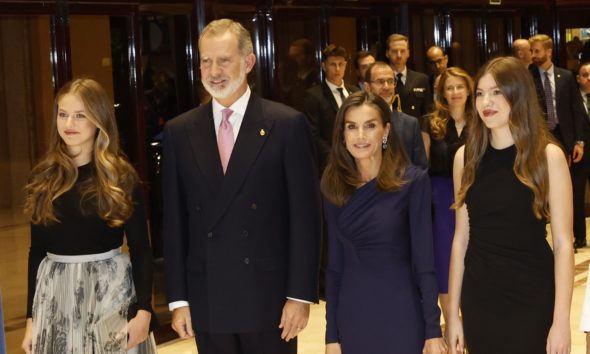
(408, 130)
(569, 105)
(320, 109)
(237, 245)
(416, 95)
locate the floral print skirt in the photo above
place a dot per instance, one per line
(81, 304)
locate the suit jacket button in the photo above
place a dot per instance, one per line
(210, 235)
(245, 233)
(246, 260)
(254, 206)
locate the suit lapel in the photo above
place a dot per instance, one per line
(329, 96)
(559, 86)
(254, 131)
(204, 147)
(405, 92)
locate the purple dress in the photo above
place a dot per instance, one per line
(442, 154)
(381, 288)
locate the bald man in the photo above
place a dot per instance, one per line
(521, 48)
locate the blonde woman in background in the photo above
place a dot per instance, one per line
(444, 132)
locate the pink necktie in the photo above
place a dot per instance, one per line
(225, 138)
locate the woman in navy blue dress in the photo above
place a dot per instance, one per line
(381, 287)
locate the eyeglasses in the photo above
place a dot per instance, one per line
(382, 82)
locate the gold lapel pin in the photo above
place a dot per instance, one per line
(262, 132)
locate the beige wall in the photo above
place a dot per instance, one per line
(90, 37)
(24, 87)
(343, 32)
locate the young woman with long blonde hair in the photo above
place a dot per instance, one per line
(83, 198)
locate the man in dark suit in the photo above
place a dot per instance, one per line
(564, 111)
(241, 210)
(412, 86)
(362, 61)
(583, 79)
(380, 80)
(322, 102)
(437, 63)
(521, 49)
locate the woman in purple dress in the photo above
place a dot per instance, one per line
(381, 288)
(444, 132)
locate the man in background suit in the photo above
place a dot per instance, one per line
(560, 99)
(321, 102)
(380, 80)
(437, 62)
(241, 210)
(412, 87)
(583, 78)
(362, 61)
(521, 49)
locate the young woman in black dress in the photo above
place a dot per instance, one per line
(83, 198)
(513, 290)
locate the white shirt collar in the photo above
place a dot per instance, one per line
(239, 106)
(549, 71)
(237, 116)
(334, 88)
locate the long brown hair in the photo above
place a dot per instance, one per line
(109, 190)
(341, 177)
(527, 127)
(440, 116)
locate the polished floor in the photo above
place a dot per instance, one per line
(14, 243)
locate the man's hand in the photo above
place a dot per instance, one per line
(577, 153)
(294, 319)
(181, 322)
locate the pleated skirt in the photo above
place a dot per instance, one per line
(81, 305)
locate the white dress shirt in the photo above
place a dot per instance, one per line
(336, 93)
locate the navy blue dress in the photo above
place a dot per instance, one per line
(381, 289)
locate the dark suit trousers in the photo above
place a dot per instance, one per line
(578, 172)
(244, 343)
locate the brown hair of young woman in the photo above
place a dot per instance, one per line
(528, 128)
(341, 177)
(440, 116)
(109, 191)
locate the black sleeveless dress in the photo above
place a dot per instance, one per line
(508, 288)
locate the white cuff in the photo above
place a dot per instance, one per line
(299, 300)
(177, 304)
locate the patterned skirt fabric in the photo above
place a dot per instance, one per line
(81, 304)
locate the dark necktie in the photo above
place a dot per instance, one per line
(588, 104)
(342, 98)
(551, 120)
(399, 85)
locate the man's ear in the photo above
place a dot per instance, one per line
(250, 61)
